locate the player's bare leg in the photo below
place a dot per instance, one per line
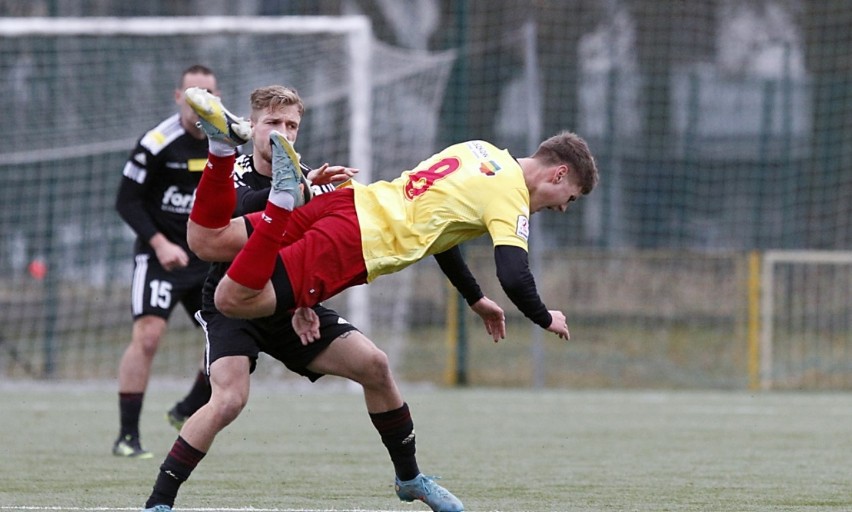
(237, 301)
(230, 382)
(134, 371)
(355, 357)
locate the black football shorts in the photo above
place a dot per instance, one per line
(156, 291)
(273, 335)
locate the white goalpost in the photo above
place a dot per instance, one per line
(806, 318)
(356, 29)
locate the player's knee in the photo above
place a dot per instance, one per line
(199, 244)
(377, 372)
(147, 335)
(226, 303)
(149, 345)
(227, 405)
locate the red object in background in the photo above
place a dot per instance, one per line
(37, 269)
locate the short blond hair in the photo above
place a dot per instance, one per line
(275, 97)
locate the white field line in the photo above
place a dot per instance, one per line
(187, 509)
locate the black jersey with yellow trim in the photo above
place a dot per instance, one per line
(159, 181)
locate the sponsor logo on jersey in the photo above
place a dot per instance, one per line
(175, 201)
(523, 227)
(489, 168)
(266, 218)
(478, 150)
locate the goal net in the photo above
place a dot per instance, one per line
(79, 92)
(806, 328)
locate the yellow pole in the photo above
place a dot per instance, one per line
(754, 320)
(452, 340)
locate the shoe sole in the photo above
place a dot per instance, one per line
(284, 144)
(278, 140)
(214, 113)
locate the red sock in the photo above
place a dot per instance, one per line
(255, 263)
(215, 197)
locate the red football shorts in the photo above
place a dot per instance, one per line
(321, 251)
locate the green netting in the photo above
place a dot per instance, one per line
(720, 126)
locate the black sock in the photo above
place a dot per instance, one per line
(397, 431)
(197, 396)
(174, 471)
(129, 408)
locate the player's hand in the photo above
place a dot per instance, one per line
(306, 323)
(330, 174)
(171, 256)
(559, 325)
(492, 316)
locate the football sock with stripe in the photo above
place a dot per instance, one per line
(174, 471)
(397, 431)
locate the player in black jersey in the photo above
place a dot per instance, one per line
(233, 344)
(154, 198)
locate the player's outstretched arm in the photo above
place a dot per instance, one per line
(453, 266)
(517, 281)
(217, 244)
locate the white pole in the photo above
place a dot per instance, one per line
(534, 123)
(360, 144)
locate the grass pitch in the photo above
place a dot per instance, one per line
(313, 449)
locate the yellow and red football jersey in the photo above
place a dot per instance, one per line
(463, 192)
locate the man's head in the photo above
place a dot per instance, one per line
(277, 108)
(565, 169)
(193, 76)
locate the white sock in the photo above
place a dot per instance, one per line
(220, 148)
(282, 199)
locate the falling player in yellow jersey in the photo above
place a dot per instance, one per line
(300, 255)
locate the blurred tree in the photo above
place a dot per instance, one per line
(829, 59)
